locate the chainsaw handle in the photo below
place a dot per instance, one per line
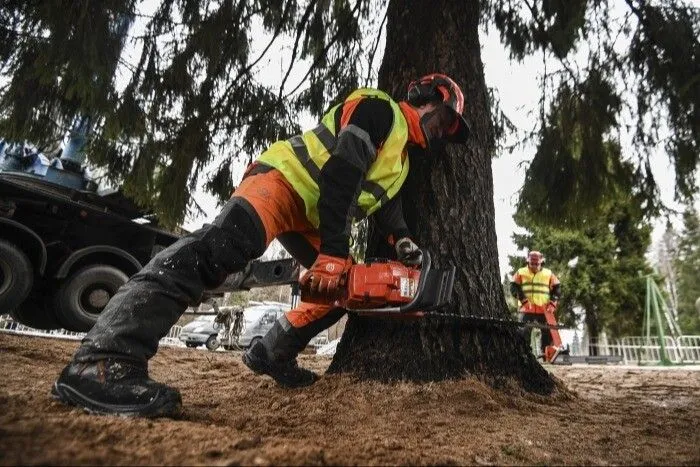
(425, 265)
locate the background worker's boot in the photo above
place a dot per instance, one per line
(116, 387)
(275, 356)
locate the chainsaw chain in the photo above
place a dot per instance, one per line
(471, 318)
(485, 321)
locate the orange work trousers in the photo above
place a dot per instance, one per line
(281, 211)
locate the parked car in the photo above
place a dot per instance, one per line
(201, 331)
(260, 318)
(257, 320)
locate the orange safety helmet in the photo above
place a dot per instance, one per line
(439, 87)
(535, 259)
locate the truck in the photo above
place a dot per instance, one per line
(66, 246)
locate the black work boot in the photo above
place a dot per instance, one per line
(276, 355)
(116, 387)
(285, 372)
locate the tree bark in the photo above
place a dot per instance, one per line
(449, 206)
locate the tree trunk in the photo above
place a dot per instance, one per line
(448, 203)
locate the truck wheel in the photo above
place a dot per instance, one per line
(36, 313)
(212, 343)
(16, 276)
(83, 296)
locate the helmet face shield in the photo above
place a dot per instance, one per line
(439, 123)
(442, 90)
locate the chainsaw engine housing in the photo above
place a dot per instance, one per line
(381, 283)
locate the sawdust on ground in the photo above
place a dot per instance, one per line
(233, 417)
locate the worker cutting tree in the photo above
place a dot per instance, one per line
(305, 192)
(538, 291)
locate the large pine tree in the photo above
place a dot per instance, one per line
(195, 94)
(449, 202)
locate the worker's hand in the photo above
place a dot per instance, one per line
(524, 304)
(551, 306)
(408, 252)
(325, 275)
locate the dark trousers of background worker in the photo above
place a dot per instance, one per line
(537, 318)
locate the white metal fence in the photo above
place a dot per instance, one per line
(690, 348)
(640, 350)
(12, 327)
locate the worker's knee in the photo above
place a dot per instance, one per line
(239, 220)
(212, 252)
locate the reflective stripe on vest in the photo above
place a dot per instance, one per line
(301, 158)
(535, 286)
(328, 141)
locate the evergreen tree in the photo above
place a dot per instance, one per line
(448, 202)
(641, 63)
(687, 265)
(601, 268)
(195, 95)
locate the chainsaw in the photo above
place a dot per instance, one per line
(388, 288)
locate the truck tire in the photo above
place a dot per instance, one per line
(84, 294)
(16, 276)
(36, 313)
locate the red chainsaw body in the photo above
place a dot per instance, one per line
(380, 284)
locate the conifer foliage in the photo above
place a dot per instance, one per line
(171, 90)
(609, 63)
(174, 85)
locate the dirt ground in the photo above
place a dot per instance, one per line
(233, 417)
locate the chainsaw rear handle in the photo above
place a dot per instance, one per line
(413, 304)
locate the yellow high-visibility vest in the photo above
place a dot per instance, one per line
(301, 158)
(536, 286)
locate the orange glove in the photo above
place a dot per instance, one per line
(551, 306)
(326, 274)
(524, 304)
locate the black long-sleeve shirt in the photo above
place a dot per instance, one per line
(359, 138)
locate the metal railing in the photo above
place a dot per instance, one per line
(642, 350)
(8, 325)
(690, 348)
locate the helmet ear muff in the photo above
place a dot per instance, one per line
(424, 90)
(413, 95)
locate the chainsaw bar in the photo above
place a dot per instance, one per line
(485, 320)
(473, 320)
